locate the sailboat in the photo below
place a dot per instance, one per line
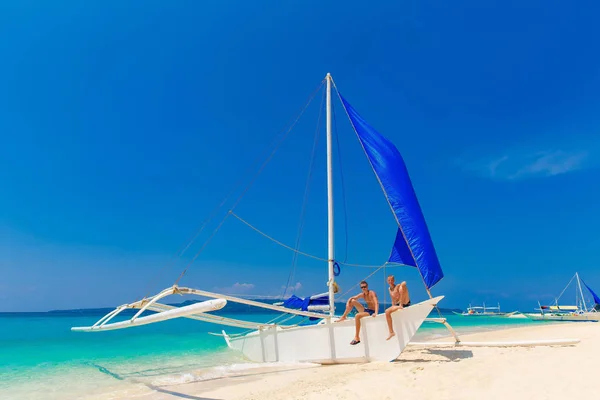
(577, 312)
(325, 341)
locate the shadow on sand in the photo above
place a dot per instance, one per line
(179, 395)
(440, 355)
(173, 393)
(161, 389)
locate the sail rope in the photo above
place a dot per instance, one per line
(365, 278)
(278, 142)
(298, 251)
(275, 240)
(385, 291)
(342, 184)
(305, 200)
(307, 189)
(273, 322)
(563, 291)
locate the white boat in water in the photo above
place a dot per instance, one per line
(484, 311)
(319, 338)
(578, 312)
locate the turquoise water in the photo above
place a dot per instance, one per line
(40, 357)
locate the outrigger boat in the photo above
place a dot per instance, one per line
(325, 341)
(578, 312)
(484, 311)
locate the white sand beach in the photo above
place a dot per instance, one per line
(548, 372)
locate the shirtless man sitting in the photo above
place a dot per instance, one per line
(400, 299)
(371, 309)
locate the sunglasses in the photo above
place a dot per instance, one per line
(363, 287)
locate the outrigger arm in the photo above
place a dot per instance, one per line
(197, 311)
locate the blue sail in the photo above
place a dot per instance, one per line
(596, 298)
(413, 245)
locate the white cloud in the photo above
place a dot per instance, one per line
(522, 165)
(292, 288)
(236, 288)
(536, 156)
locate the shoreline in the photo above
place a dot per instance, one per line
(420, 372)
(479, 329)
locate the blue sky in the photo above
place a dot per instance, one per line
(122, 125)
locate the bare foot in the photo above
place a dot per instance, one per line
(391, 335)
(341, 319)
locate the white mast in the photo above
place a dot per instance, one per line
(330, 245)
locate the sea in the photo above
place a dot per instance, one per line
(41, 358)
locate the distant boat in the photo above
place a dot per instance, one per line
(578, 312)
(484, 311)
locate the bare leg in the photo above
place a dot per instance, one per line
(357, 319)
(349, 306)
(388, 318)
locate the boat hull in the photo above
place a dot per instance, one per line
(590, 316)
(329, 343)
(501, 315)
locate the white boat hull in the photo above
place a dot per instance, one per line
(329, 343)
(590, 316)
(507, 315)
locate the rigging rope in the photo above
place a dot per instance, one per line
(263, 165)
(563, 291)
(305, 199)
(385, 291)
(367, 277)
(275, 240)
(298, 251)
(342, 184)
